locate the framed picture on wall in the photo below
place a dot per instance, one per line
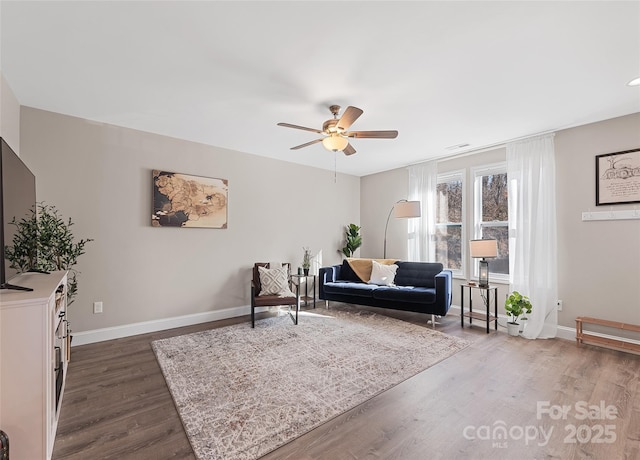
(182, 200)
(618, 178)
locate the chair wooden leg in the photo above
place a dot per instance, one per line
(253, 316)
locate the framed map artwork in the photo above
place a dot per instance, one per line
(181, 200)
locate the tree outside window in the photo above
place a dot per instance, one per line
(448, 228)
(492, 214)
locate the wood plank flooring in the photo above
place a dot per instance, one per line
(117, 405)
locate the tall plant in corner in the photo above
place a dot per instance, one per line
(353, 240)
(45, 242)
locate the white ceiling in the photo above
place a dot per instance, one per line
(224, 73)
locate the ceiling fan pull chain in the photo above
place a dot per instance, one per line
(335, 167)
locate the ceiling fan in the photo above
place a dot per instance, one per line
(336, 134)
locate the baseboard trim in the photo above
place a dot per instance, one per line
(127, 330)
(566, 333)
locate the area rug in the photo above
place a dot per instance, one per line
(242, 393)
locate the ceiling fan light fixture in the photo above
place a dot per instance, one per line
(335, 142)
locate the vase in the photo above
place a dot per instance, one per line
(306, 271)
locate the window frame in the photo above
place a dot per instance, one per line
(450, 176)
(478, 225)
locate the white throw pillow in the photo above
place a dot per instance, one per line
(383, 275)
(274, 281)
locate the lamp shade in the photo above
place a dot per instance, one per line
(335, 142)
(407, 209)
(486, 249)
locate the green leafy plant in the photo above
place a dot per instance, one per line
(353, 240)
(306, 258)
(45, 242)
(516, 305)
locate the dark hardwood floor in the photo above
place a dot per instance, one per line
(117, 405)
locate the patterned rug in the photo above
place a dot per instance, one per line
(242, 392)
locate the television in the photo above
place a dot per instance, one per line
(17, 200)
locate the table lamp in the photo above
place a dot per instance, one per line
(483, 249)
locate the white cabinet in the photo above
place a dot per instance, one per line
(34, 348)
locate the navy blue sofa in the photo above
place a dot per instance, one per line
(422, 287)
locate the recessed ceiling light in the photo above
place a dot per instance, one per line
(634, 82)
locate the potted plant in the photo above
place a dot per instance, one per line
(354, 240)
(516, 305)
(306, 261)
(45, 242)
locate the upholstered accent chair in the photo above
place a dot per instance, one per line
(273, 286)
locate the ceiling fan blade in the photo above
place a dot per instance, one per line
(306, 145)
(289, 125)
(372, 134)
(349, 150)
(350, 115)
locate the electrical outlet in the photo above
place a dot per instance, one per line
(559, 305)
(97, 307)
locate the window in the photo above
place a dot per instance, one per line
(448, 221)
(491, 215)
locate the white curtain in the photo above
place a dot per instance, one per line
(423, 180)
(533, 250)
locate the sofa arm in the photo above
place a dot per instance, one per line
(327, 275)
(444, 290)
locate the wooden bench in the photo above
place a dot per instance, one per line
(586, 337)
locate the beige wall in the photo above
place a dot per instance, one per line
(100, 175)
(598, 262)
(9, 116)
(378, 193)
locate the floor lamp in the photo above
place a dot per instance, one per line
(483, 249)
(401, 209)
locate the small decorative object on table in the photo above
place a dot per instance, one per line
(516, 305)
(306, 261)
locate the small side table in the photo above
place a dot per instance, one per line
(487, 317)
(307, 298)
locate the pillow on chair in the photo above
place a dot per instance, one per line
(274, 281)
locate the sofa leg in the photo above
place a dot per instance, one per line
(326, 304)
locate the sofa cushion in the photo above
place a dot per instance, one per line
(383, 275)
(350, 288)
(418, 274)
(405, 294)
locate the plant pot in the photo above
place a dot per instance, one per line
(523, 325)
(513, 329)
(306, 271)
